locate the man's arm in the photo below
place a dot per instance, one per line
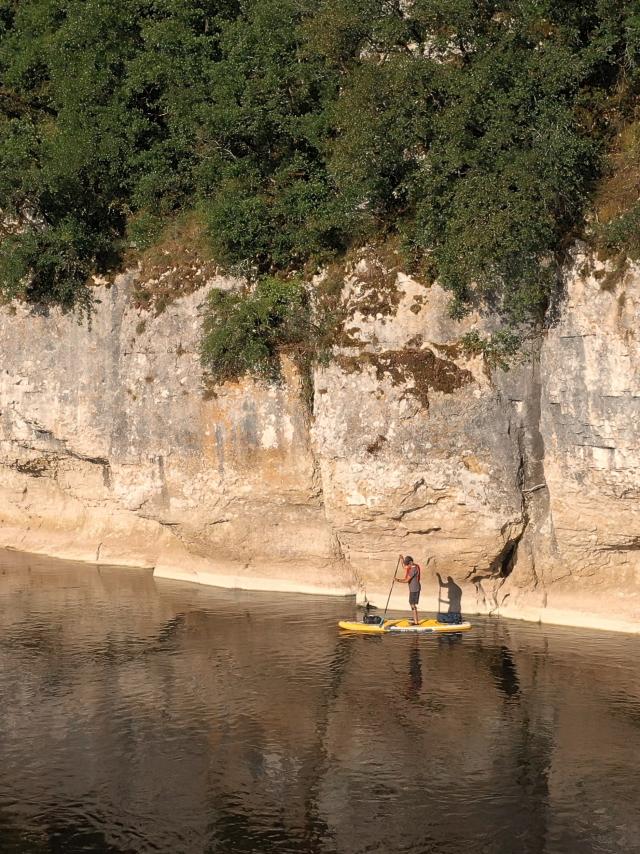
(404, 580)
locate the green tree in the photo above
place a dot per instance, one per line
(475, 129)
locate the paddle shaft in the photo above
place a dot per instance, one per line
(395, 571)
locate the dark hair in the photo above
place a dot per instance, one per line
(408, 560)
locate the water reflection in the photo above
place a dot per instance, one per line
(142, 716)
(414, 685)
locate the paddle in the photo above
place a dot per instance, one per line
(395, 571)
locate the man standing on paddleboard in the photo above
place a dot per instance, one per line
(412, 578)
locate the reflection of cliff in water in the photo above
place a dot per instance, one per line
(146, 715)
(524, 759)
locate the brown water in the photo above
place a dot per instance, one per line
(149, 716)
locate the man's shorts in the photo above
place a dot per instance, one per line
(453, 618)
(414, 598)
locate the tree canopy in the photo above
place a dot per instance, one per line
(475, 131)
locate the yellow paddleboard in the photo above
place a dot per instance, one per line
(424, 627)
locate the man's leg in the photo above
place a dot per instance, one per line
(414, 608)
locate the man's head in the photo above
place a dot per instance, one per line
(408, 561)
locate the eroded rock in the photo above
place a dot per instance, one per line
(522, 487)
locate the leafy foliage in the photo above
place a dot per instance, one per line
(622, 234)
(617, 201)
(244, 333)
(299, 128)
(499, 350)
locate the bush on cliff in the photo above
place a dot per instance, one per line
(299, 128)
(244, 333)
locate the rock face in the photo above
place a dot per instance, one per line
(581, 551)
(112, 452)
(520, 488)
(414, 450)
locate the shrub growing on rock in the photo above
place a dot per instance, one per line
(244, 333)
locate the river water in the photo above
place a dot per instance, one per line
(151, 716)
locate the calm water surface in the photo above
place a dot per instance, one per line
(149, 716)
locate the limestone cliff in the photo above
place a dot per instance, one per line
(521, 486)
(579, 560)
(112, 452)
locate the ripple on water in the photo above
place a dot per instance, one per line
(143, 716)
